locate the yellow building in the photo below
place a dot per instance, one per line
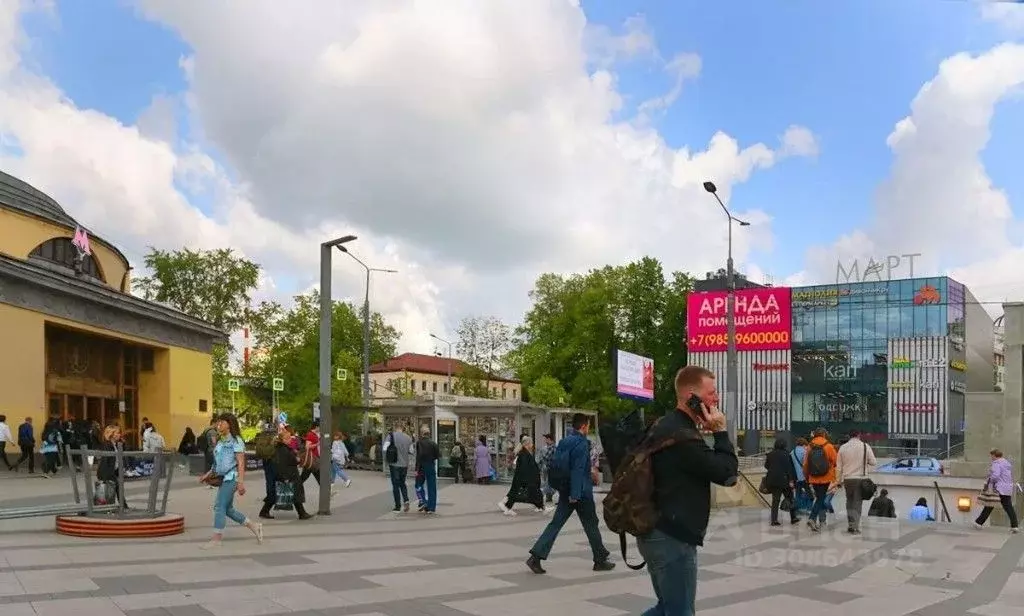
(415, 374)
(76, 343)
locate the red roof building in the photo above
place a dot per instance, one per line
(428, 374)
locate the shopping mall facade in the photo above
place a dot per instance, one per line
(892, 359)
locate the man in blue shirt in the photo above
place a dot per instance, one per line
(27, 443)
(578, 496)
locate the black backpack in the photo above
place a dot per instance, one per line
(817, 461)
(391, 453)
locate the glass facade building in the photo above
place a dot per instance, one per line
(840, 346)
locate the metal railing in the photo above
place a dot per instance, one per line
(942, 501)
(156, 503)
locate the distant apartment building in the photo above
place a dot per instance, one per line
(416, 374)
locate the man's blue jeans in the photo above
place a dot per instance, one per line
(672, 566)
(399, 489)
(587, 513)
(430, 481)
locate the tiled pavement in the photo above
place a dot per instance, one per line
(468, 560)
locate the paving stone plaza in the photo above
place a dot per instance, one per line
(468, 560)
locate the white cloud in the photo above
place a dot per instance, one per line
(1008, 15)
(938, 199)
(467, 144)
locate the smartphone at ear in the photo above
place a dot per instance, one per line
(696, 406)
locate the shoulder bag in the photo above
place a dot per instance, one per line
(867, 485)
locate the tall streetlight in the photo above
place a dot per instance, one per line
(366, 335)
(731, 369)
(440, 339)
(326, 472)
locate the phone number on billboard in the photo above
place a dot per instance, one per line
(752, 338)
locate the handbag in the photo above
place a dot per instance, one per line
(285, 496)
(989, 497)
(763, 488)
(786, 504)
(867, 486)
(214, 480)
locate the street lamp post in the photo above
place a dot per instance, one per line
(440, 339)
(325, 369)
(731, 368)
(366, 335)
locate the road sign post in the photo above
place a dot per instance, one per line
(233, 387)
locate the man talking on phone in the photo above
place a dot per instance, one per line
(683, 474)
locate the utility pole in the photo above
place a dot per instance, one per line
(367, 396)
(326, 312)
(731, 361)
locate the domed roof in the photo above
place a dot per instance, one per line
(19, 195)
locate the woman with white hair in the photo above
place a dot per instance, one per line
(525, 481)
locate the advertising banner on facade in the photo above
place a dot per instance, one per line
(763, 388)
(918, 386)
(764, 320)
(634, 376)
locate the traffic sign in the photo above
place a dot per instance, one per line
(342, 374)
(278, 385)
(232, 384)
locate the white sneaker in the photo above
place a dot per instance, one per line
(547, 510)
(510, 513)
(1014, 530)
(978, 526)
(212, 544)
(502, 508)
(348, 482)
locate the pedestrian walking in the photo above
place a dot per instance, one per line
(820, 469)
(396, 456)
(573, 480)
(780, 479)
(525, 482)
(998, 484)
(674, 460)
(228, 477)
(854, 460)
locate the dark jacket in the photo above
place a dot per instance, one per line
(526, 480)
(427, 453)
(780, 472)
(106, 466)
(577, 448)
(882, 507)
(683, 475)
(286, 467)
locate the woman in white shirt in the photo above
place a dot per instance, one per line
(339, 455)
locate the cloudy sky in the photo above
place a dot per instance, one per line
(473, 145)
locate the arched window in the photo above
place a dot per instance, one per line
(60, 250)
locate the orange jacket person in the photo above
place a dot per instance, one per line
(820, 470)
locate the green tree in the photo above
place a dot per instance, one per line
(547, 391)
(213, 285)
(471, 381)
(288, 343)
(577, 322)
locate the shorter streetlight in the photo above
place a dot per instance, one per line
(325, 369)
(366, 333)
(731, 367)
(440, 339)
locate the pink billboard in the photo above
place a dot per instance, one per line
(764, 320)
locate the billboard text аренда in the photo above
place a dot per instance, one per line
(764, 320)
